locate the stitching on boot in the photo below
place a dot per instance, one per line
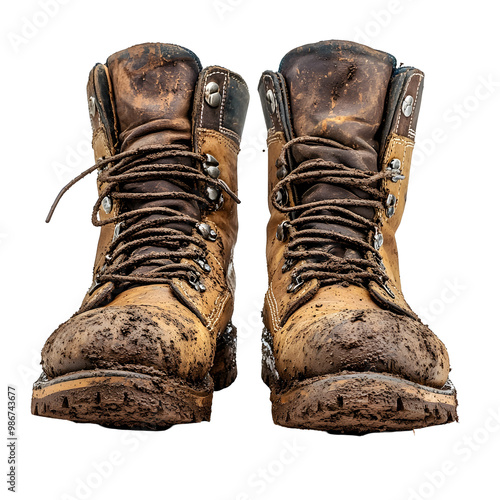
(218, 135)
(213, 321)
(416, 101)
(275, 97)
(275, 310)
(271, 310)
(400, 113)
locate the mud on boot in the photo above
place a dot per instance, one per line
(342, 350)
(153, 337)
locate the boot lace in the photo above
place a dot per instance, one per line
(132, 231)
(307, 245)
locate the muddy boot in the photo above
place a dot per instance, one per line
(342, 350)
(153, 338)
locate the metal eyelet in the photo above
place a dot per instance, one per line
(380, 262)
(391, 205)
(378, 240)
(388, 290)
(287, 265)
(117, 230)
(213, 193)
(407, 106)
(282, 197)
(107, 204)
(271, 100)
(211, 167)
(282, 172)
(206, 231)
(282, 231)
(202, 262)
(93, 287)
(394, 168)
(194, 281)
(212, 94)
(96, 283)
(92, 106)
(295, 284)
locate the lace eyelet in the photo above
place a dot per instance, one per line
(206, 231)
(380, 262)
(391, 205)
(118, 230)
(282, 231)
(282, 197)
(282, 172)
(295, 284)
(378, 240)
(202, 262)
(107, 204)
(194, 281)
(213, 193)
(394, 168)
(388, 290)
(211, 167)
(287, 265)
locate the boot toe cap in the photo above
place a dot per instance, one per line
(130, 337)
(360, 340)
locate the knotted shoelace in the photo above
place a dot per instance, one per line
(308, 244)
(133, 232)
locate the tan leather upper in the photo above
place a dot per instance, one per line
(170, 328)
(321, 330)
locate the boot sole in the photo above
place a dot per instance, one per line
(361, 403)
(123, 399)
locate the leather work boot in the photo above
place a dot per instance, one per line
(342, 350)
(153, 338)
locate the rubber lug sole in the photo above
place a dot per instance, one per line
(361, 403)
(122, 400)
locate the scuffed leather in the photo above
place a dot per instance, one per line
(145, 329)
(351, 94)
(152, 94)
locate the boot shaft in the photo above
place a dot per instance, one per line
(356, 98)
(158, 94)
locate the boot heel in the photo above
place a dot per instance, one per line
(224, 369)
(122, 400)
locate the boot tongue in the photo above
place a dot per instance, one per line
(153, 86)
(337, 91)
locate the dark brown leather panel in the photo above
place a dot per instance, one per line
(101, 103)
(405, 82)
(228, 116)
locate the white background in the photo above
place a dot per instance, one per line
(447, 242)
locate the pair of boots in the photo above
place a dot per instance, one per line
(342, 350)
